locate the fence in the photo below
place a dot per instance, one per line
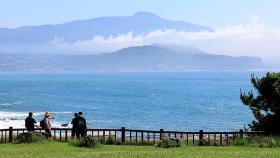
(124, 135)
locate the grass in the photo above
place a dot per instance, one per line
(57, 149)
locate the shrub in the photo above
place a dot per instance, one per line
(140, 143)
(270, 142)
(88, 142)
(110, 140)
(239, 141)
(102, 140)
(168, 143)
(30, 137)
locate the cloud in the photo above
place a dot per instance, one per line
(7, 25)
(255, 39)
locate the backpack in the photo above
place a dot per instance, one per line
(42, 123)
(80, 123)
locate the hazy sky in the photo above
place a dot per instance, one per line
(14, 13)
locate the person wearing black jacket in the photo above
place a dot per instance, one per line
(81, 126)
(30, 122)
(74, 125)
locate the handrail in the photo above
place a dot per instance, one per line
(140, 136)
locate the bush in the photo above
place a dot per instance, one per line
(270, 142)
(239, 141)
(109, 141)
(168, 143)
(139, 143)
(30, 137)
(88, 142)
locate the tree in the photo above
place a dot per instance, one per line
(265, 103)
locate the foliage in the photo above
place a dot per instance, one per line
(238, 141)
(168, 143)
(270, 142)
(30, 137)
(88, 142)
(266, 105)
(262, 142)
(139, 143)
(109, 141)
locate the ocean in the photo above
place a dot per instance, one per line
(187, 101)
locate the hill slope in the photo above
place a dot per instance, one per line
(142, 58)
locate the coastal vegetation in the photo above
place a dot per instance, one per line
(265, 103)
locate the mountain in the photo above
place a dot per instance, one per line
(140, 58)
(154, 58)
(180, 49)
(139, 23)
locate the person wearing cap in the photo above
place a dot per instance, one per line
(47, 121)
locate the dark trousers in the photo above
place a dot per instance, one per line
(48, 133)
(81, 133)
(73, 132)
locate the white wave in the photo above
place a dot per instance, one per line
(4, 114)
(6, 104)
(18, 102)
(6, 123)
(13, 103)
(17, 119)
(63, 112)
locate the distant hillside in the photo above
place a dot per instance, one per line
(141, 22)
(143, 58)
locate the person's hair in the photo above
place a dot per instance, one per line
(76, 114)
(80, 113)
(47, 114)
(30, 114)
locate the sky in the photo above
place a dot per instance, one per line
(241, 27)
(213, 13)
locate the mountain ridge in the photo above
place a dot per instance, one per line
(131, 59)
(141, 22)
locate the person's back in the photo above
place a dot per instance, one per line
(30, 122)
(74, 124)
(47, 124)
(81, 125)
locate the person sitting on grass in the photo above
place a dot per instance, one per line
(30, 122)
(81, 126)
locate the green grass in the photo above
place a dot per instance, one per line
(57, 149)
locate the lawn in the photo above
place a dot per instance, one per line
(57, 149)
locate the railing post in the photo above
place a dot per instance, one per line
(10, 134)
(66, 139)
(160, 134)
(241, 133)
(142, 137)
(123, 134)
(200, 137)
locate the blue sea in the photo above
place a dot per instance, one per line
(187, 101)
